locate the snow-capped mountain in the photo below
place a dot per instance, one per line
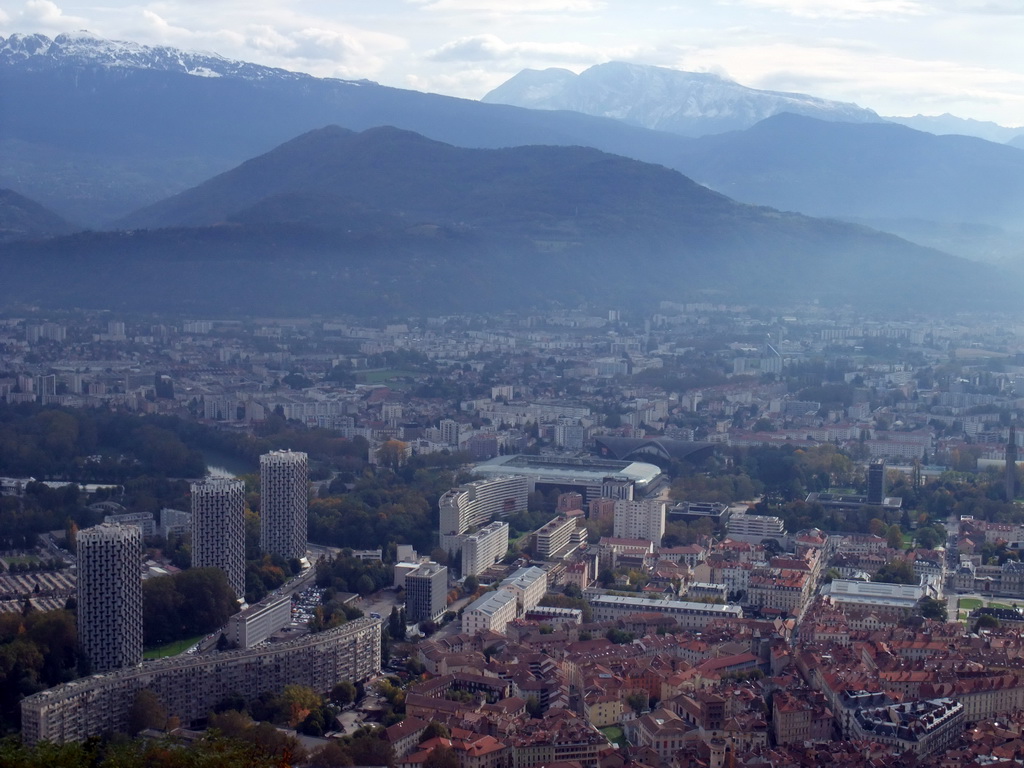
(38, 52)
(687, 103)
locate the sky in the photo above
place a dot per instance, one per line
(898, 57)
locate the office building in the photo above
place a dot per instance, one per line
(218, 529)
(640, 520)
(743, 524)
(284, 497)
(426, 592)
(109, 594)
(484, 548)
(876, 481)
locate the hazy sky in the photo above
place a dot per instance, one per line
(899, 57)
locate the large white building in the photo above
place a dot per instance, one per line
(640, 520)
(559, 537)
(491, 611)
(694, 616)
(218, 529)
(252, 626)
(284, 499)
(484, 548)
(478, 503)
(529, 585)
(109, 593)
(757, 526)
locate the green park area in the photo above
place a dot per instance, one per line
(614, 735)
(384, 375)
(171, 649)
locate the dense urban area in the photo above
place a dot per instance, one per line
(706, 536)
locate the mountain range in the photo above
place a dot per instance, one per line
(94, 128)
(687, 103)
(386, 220)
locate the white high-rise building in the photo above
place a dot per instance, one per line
(484, 548)
(284, 499)
(218, 529)
(478, 503)
(109, 593)
(640, 520)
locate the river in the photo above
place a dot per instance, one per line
(223, 465)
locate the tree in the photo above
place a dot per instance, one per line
(894, 537)
(441, 757)
(637, 701)
(533, 707)
(146, 712)
(343, 693)
(933, 609)
(433, 730)
(897, 571)
(331, 755)
(986, 621)
(471, 585)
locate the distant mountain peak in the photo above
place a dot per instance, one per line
(83, 48)
(687, 103)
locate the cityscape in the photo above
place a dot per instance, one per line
(707, 536)
(476, 384)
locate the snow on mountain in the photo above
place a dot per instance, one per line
(37, 52)
(687, 103)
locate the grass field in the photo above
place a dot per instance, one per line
(171, 649)
(1001, 605)
(969, 604)
(614, 735)
(381, 376)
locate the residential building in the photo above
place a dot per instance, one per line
(640, 520)
(284, 500)
(188, 686)
(109, 594)
(484, 548)
(218, 529)
(478, 503)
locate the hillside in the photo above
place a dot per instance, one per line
(389, 221)
(21, 219)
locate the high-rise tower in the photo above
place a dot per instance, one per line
(284, 496)
(109, 595)
(218, 529)
(1011, 465)
(876, 482)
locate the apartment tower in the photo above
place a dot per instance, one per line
(284, 496)
(218, 529)
(109, 595)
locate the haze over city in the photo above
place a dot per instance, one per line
(477, 384)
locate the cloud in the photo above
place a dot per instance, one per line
(492, 48)
(38, 15)
(839, 9)
(504, 7)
